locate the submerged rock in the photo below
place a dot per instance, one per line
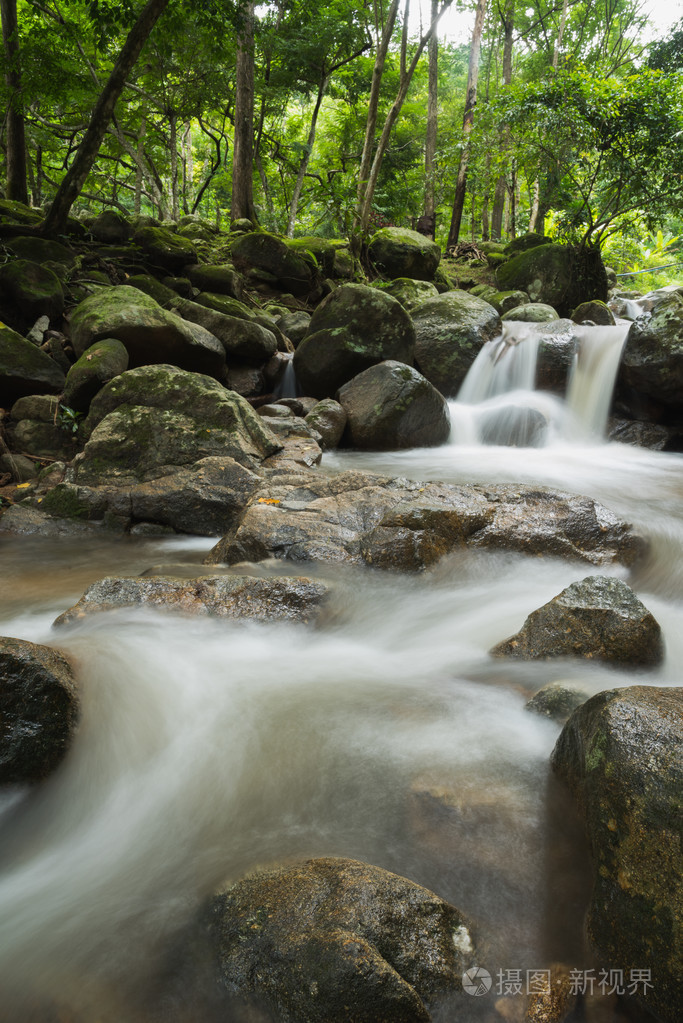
(38, 710)
(598, 617)
(338, 941)
(620, 755)
(278, 598)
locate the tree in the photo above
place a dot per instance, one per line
(242, 202)
(16, 140)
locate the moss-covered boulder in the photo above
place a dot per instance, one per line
(28, 291)
(391, 406)
(321, 249)
(14, 212)
(650, 379)
(217, 278)
(25, 369)
(557, 275)
(241, 338)
(530, 240)
(599, 617)
(38, 710)
(271, 254)
(354, 328)
(449, 331)
(41, 250)
(98, 365)
(620, 755)
(339, 941)
(398, 252)
(408, 292)
(161, 293)
(503, 301)
(595, 312)
(111, 228)
(165, 250)
(149, 333)
(531, 312)
(149, 420)
(39, 426)
(328, 419)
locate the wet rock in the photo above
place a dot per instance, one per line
(278, 598)
(29, 291)
(449, 332)
(148, 421)
(557, 1002)
(650, 378)
(532, 312)
(644, 435)
(596, 312)
(391, 406)
(410, 293)
(398, 252)
(149, 333)
(241, 338)
(38, 710)
(599, 617)
(359, 518)
(165, 250)
(558, 342)
(328, 419)
(620, 755)
(98, 365)
(25, 369)
(352, 329)
(338, 941)
(271, 254)
(557, 700)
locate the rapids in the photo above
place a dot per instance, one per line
(207, 748)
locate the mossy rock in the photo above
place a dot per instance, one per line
(399, 252)
(557, 275)
(218, 279)
(41, 250)
(161, 293)
(596, 312)
(449, 332)
(25, 369)
(531, 312)
(503, 301)
(164, 249)
(111, 227)
(495, 259)
(531, 240)
(408, 292)
(241, 338)
(28, 291)
(270, 254)
(323, 251)
(14, 212)
(227, 305)
(98, 365)
(650, 378)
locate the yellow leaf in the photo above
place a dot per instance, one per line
(22, 486)
(268, 500)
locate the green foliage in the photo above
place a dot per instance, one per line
(68, 419)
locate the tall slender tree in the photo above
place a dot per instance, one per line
(242, 201)
(15, 133)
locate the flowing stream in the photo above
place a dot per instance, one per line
(207, 749)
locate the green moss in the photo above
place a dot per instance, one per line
(64, 502)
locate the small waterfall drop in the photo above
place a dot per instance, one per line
(288, 386)
(593, 376)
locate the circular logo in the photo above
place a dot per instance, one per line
(476, 981)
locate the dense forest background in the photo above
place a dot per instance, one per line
(332, 119)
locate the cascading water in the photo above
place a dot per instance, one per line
(593, 373)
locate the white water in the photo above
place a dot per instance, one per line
(207, 749)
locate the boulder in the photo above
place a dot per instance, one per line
(272, 254)
(557, 275)
(645, 435)
(295, 325)
(530, 240)
(217, 278)
(398, 252)
(111, 228)
(165, 250)
(27, 292)
(557, 345)
(338, 941)
(321, 249)
(531, 312)
(149, 333)
(14, 212)
(504, 301)
(98, 365)
(41, 250)
(449, 331)
(278, 598)
(42, 427)
(359, 519)
(161, 293)
(650, 379)
(38, 710)
(595, 312)
(557, 700)
(354, 328)
(150, 420)
(598, 617)
(391, 406)
(408, 292)
(25, 369)
(620, 755)
(328, 419)
(241, 338)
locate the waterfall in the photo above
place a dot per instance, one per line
(593, 375)
(288, 387)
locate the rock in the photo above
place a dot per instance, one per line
(328, 419)
(20, 468)
(150, 334)
(556, 275)
(28, 291)
(218, 279)
(51, 438)
(620, 755)
(337, 941)
(504, 301)
(558, 1002)
(268, 252)
(165, 250)
(557, 700)
(161, 293)
(408, 292)
(38, 710)
(599, 617)
(241, 339)
(25, 369)
(595, 312)
(530, 240)
(14, 212)
(557, 346)
(360, 519)
(398, 252)
(98, 365)
(249, 381)
(321, 249)
(391, 406)
(644, 435)
(449, 331)
(41, 250)
(352, 329)
(150, 420)
(344, 265)
(650, 378)
(532, 312)
(278, 598)
(295, 325)
(111, 227)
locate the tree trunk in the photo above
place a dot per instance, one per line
(173, 147)
(535, 203)
(303, 163)
(501, 185)
(68, 191)
(498, 210)
(467, 122)
(16, 139)
(242, 202)
(187, 164)
(139, 176)
(432, 127)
